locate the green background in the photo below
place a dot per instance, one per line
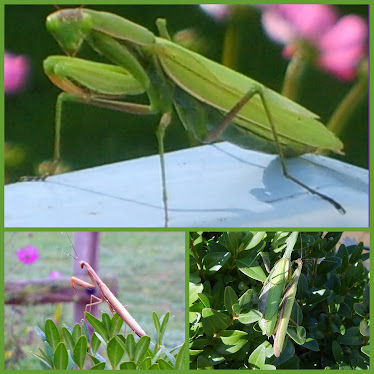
(94, 136)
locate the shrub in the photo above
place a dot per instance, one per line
(227, 272)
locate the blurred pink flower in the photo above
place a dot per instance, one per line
(218, 11)
(340, 43)
(28, 254)
(55, 275)
(15, 72)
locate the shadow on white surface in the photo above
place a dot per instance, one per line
(208, 186)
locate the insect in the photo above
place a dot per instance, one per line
(285, 313)
(277, 297)
(213, 102)
(106, 295)
(271, 294)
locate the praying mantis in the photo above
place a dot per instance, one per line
(213, 102)
(106, 295)
(271, 294)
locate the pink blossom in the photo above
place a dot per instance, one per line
(28, 254)
(15, 72)
(218, 11)
(55, 275)
(340, 43)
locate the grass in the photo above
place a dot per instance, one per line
(149, 267)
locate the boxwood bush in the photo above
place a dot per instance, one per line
(227, 272)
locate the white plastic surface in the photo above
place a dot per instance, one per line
(208, 186)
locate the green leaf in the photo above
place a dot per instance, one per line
(334, 283)
(164, 365)
(328, 265)
(68, 338)
(77, 332)
(337, 351)
(254, 271)
(60, 357)
(257, 357)
(194, 290)
(233, 240)
(141, 348)
(364, 328)
(106, 323)
(97, 325)
(156, 322)
(48, 351)
(95, 343)
(267, 367)
(351, 337)
(213, 262)
(164, 322)
(230, 298)
(180, 359)
(100, 366)
(80, 351)
(116, 324)
(43, 360)
(115, 352)
(343, 254)
(359, 309)
(345, 310)
(366, 350)
(130, 346)
(205, 300)
(297, 334)
(203, 363)
(311, 344)
(318, 296)
(103, 342)
(128, 365)
(231, 337)
(214, 321)
(246, 298)
(356, 253)
(41, 333)
(51, 333)
(250, 317)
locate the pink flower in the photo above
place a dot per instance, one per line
(340, 43)
(55, 275)
(218, 11)
(15, 72)
(28, 254)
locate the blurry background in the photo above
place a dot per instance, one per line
(149, 268)
(95, 136)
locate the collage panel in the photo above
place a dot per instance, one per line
(237, 110)
(279, 300)
(136, 280)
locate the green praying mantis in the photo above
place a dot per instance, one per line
(276, 296)
(212, 101)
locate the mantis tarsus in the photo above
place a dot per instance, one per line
(106, 296)
(212, 101)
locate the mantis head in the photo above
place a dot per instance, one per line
(69, 27)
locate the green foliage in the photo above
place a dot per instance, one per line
(68, 348)
(227, 271)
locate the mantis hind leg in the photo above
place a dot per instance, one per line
(257, 90)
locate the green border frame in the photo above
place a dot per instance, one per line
(186, 230)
